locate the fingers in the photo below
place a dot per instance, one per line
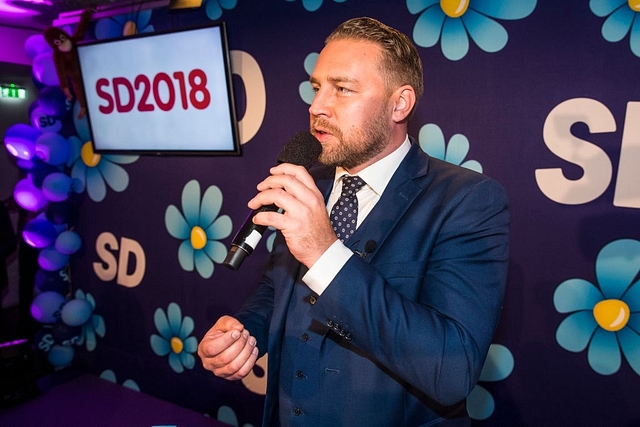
(287, 186)
(228, 350)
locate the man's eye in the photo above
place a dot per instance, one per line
(343, 89)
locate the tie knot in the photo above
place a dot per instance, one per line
(351, 184)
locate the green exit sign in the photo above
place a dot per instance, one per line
(12, 91)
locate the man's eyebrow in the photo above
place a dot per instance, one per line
(336, 79)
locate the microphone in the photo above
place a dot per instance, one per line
(303, 150)
(369, 247)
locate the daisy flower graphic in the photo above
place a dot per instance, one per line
(497, 367)
(605, 318)
(452, 22)
(95, 171)
(313, 5)
(304, 89)
(95, 325)
(433, 143)
(200, 228)
(174, 339)
(126, 24)
(214, 8)
(110, 376)
(623, 17)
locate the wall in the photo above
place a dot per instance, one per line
(546, 105)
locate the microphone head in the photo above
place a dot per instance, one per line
(303, 150)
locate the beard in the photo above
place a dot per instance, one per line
(359, 146)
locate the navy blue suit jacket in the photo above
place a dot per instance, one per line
(406, 329)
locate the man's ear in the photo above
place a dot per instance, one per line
(404, 99)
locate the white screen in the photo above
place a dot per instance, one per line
(152, 68)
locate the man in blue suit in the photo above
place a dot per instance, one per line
(389, 326)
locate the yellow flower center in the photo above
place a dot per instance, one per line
(456, 8)
(89, 158)
(611, 314)
(198, 237)
(177, 345)
(129, 28)
(634, 5)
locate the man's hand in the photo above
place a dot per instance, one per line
(228, 350)
(305, 223)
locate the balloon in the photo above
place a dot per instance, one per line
(40, 170)
(51, 260)
(57, 186)
(44, 69)
(28, 196)
(60, 355)
(52, 148)
(68, 242)
(46, 307)
(76, 312)
(53, 101)
(44, 122)
(20, 139)
(43, 339)
(65, 334)
(39, 233)
(51, 281)
(35, 45)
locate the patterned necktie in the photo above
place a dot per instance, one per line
(344, 214)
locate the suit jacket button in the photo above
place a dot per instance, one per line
(299, 375)
(304, 337)
(312, 300)
(297, 411)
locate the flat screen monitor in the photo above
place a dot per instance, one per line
(163, 93)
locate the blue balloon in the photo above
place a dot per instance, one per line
(76, 312)
(20, 141)
(39, 233)
(53, 101)
(46, 307)
(56, 186)
(35, 45)
(58, 212)
(51, 260)
(44, 69)
(52, 148)
(51, 281)
(68, 242)
(60, 355)
(28, 196)
(40, 170)
(43, 339)
(44, 122)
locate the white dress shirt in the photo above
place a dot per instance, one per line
(376, 176)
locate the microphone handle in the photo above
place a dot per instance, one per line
(247, 238)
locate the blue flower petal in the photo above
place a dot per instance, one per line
(617, 265)
(82, 127)
(498, 365)
(632, 297)
(428, 27)
(432, 140)
(174, 317)
(488, 34)
(510, 9)
(114, 175)
(310, 62)
(210, 208)
(417, 6)
(634, 40)
(576, 294)
(455, 42)
(216, 251)
(457, 150)
(220, 229)
(604, 353)
(96, 188)
(174, 362)
(306, 92)
(187, 360)
(473, 165)
(634, 321)
(159, 345)
(603, 8)
(79, 172)
(176, 224)
(228, 4)
(98, 325)
(191, 344)
(204, 265)
(311, 5)
(480, 403)
(143, 18)
(630, 345)
(213, 10)
(191, 202)
(575, 331)
(162, 324)
(121, 158)
(186, 255)
(186, 328)
(131, 384)
(617, 25)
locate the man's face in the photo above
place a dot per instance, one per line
(350, 114)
